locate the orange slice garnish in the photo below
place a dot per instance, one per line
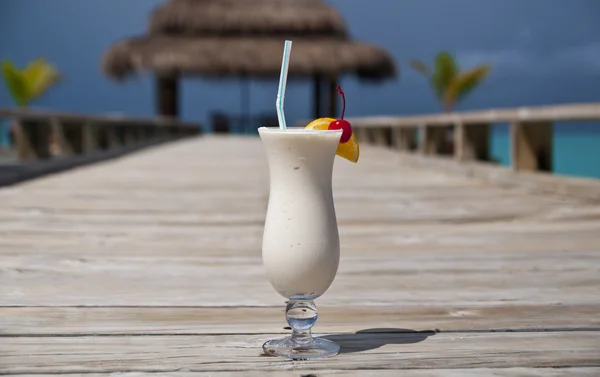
(348, 150)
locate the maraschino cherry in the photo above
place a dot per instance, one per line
(342, 124)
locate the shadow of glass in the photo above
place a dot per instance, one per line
(369, 339)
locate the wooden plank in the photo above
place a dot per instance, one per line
(140, 252)
(540, 183)
(16, 321)
(364, 350)
(218, 208)
(475, 372)
(413, 278)
(379, 239)
(160, 244)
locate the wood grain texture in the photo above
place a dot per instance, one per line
(151, 263)
(369, 350)
(474, 372)
(47, 321)
(422, 278)
(537, 183)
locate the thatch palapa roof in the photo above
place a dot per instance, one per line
(247, 17)
(245, 37)
(257, 57)
(220, 38)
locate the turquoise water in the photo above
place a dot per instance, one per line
(576, 148)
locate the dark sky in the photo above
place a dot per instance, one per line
(543, 52)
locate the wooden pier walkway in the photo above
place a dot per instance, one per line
(149, 265)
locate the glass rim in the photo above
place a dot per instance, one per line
(297, 130)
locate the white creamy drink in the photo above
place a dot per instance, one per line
(301, 244)
(301, 248)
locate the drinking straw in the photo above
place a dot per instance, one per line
(285, 63)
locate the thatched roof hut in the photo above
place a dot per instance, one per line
(245, 56)
(247, 17)
(244, 38)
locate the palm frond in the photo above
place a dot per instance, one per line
(445, 71)
(15, 83)
(464, 83)
(39, 75)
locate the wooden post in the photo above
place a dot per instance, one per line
(194, 130)
(167, 91)
(143, 133)
(531, 145)
(163, 132)
(103, 136)
(422, 138)
(472, 142)
(404, 138)
(69, 136)
(333, 98)
(362, 134)
(382, 136)
(59, 144)
(173, 132)
(130, 134)
(24, 148)
(432, 139)
(317, 79)
(33, 139)
(119, 132)
(150, 132)
(74, 134)
(180, 131)
(90, 137)
(115, 136)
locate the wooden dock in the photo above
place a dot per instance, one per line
(149, 265)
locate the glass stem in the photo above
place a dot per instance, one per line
(301, 337)
(301, 315)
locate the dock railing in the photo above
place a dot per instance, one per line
(38, 135)
(460, 142)
(45, 142)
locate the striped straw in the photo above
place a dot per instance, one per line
(285, 63)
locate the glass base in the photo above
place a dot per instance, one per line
(315, 348)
